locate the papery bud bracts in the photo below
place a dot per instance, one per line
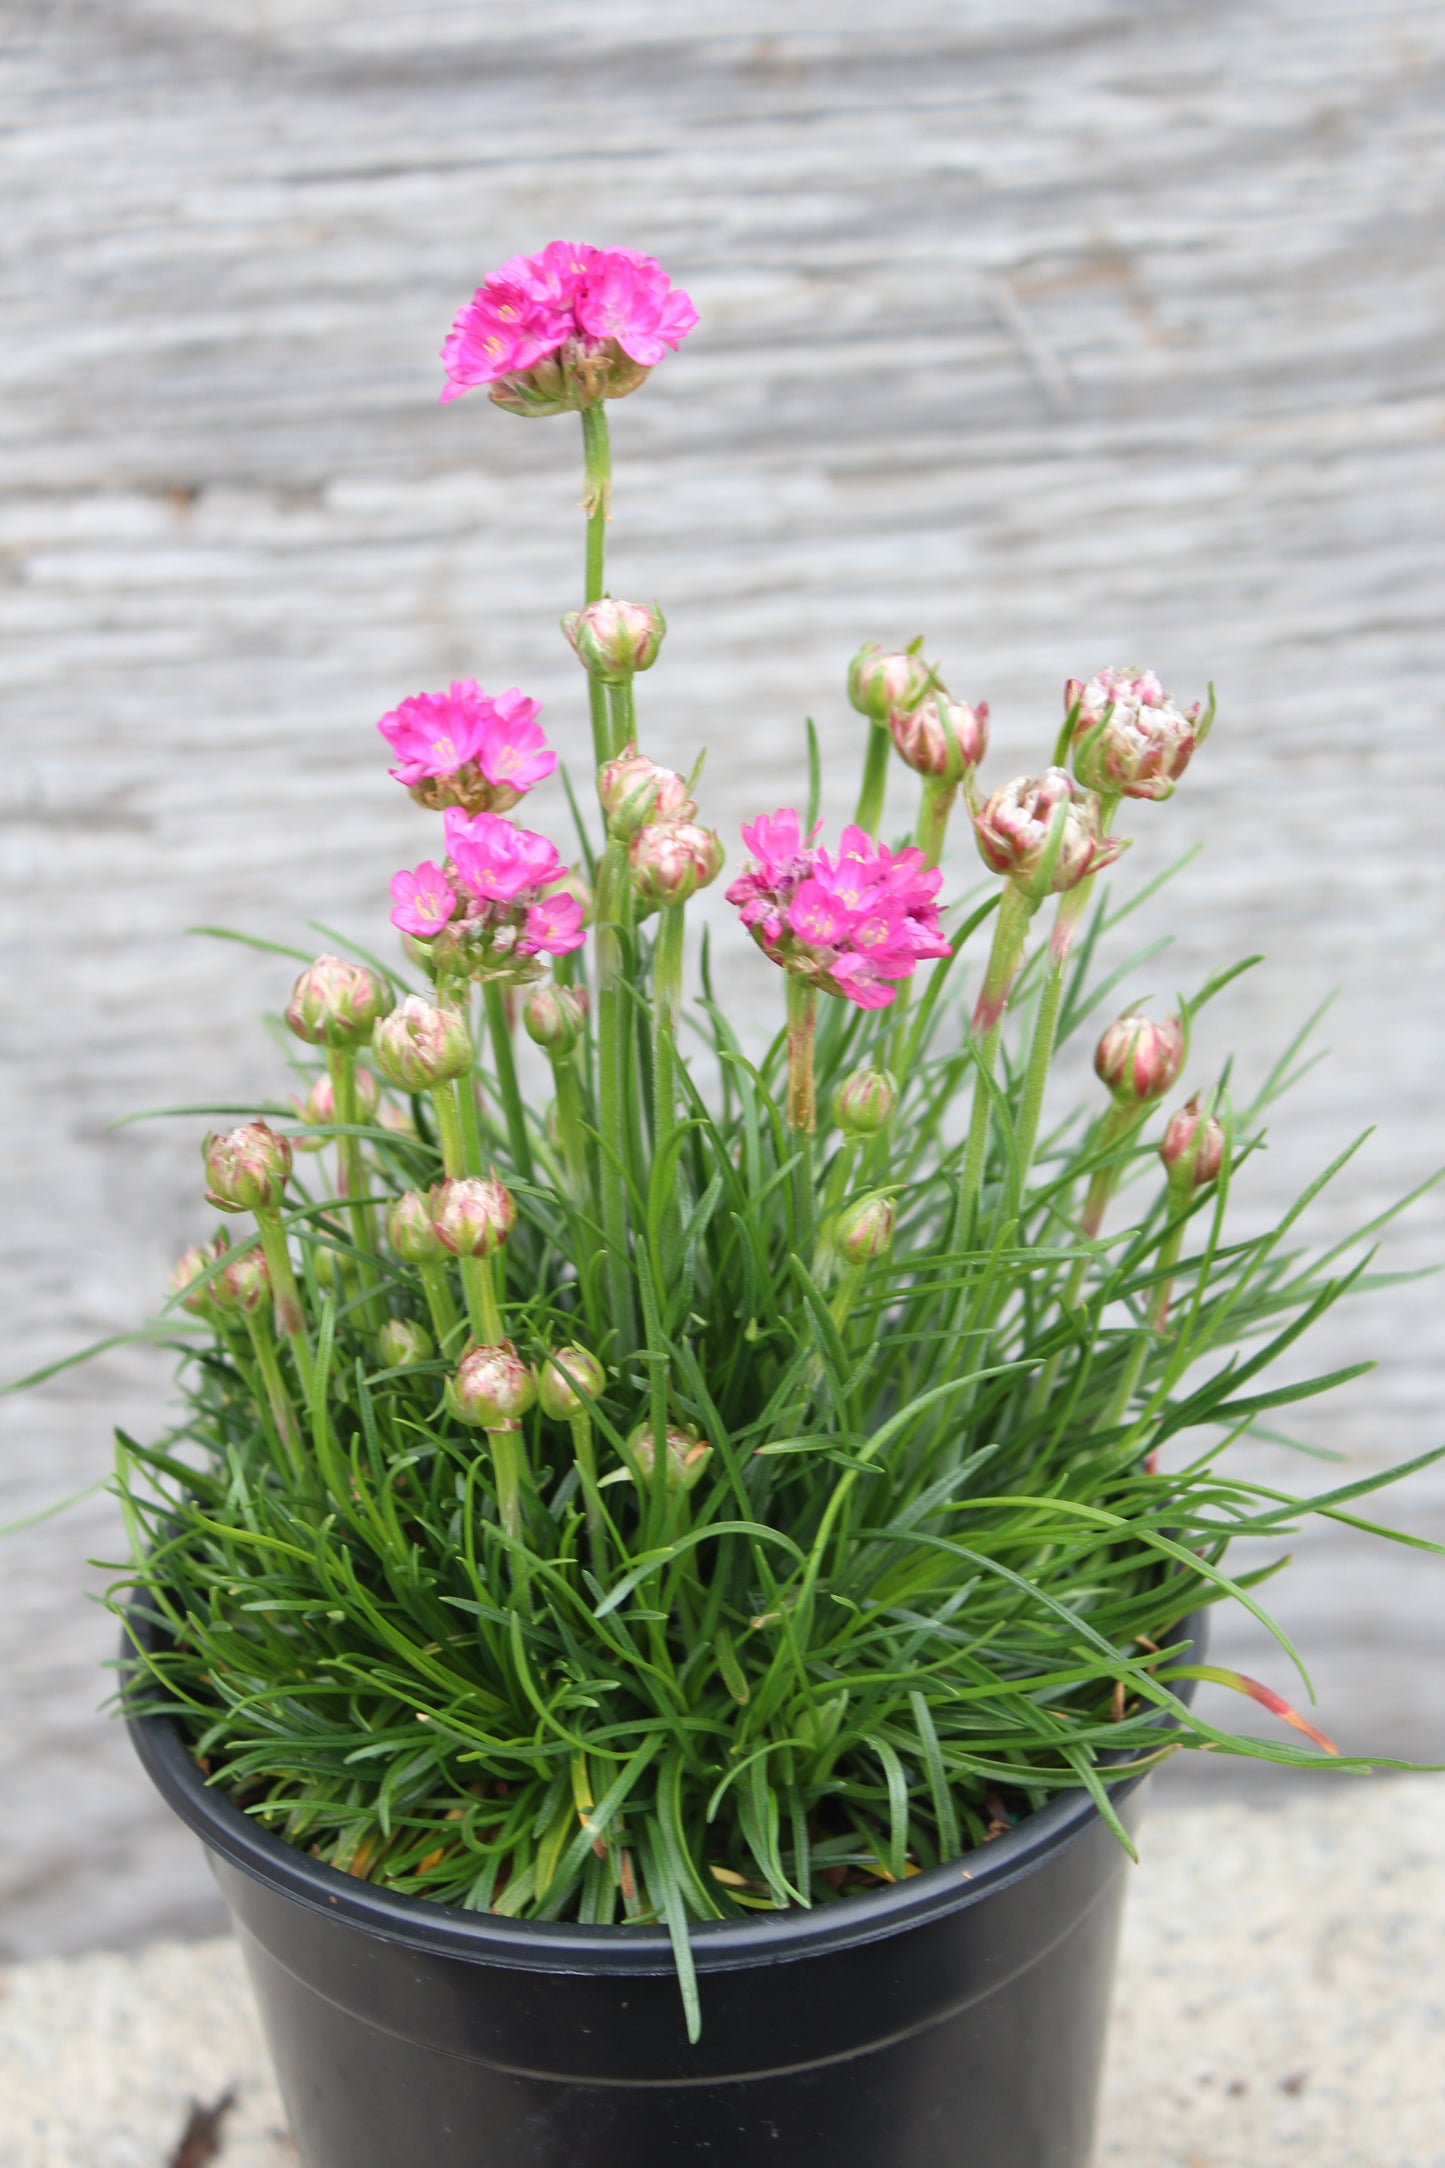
(473, 1215)
(634, 790)
(493, 1387)
(191, 1266)
(864, 1102)
(563, 1379)
(418, 1046)
(880, 685)
(613, 639)
(556, 1016)
(941, 737)
(247, 1168)
(864, 1229)
(1138, 1059)
(336, 1003)
(319, 1110)
(1044, 833)
(1129, 738)
(243, 1284)
(670, 861)
(1193, 1146)
(687, 1455)
(410, 1232)
(401, 1341)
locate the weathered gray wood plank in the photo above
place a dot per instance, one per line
(1112, 331)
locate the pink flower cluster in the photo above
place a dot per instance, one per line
(855, 921)
(496, 900)
(569, 295)
(464, 748)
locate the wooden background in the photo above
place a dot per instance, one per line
(1065, 333)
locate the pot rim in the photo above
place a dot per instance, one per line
(445, 1931)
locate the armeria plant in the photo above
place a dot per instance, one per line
(700, 1501)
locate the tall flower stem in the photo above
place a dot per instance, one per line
(449, 1129)
(875, 779)
(596, 503)
(283, 1415)
(571, 1127)
(341, 1064)
(506, 1066)
(802, 1110)
(285, 1294)
(439, 1302)
(585, 1455)
(935, 807)
(621, 717)
(614, 1040)
(1010, 932)
(507, 1462)
(484, 1313)
(667, 1006)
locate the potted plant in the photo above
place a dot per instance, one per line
(660, 1610)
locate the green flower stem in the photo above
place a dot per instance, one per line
(1180, 1191)
(439, 1302)
(449, 1128)
(614, 1039)
(840, 1176)
(802, 1107)
(667, 1007)
(484, 1313)
(1010, 932)
(571, 1125)
(935, 806)
(585, 1455)
(341, 1065)
(510, 1090)
(283, 1415)
(621, 717)
(285, 1295)
(506, 1448)
(596, 502)
(875, 778)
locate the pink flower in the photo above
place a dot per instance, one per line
(463, 748)
(1129, 738)
(492, 911)
(855, 922)
(565, 328)
(1043, 832)
(424, 901)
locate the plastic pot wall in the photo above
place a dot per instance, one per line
(956, 2020)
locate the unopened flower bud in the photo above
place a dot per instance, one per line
(612, 639)
(473, 1215)
(881, 685)
(634, 790)
(319, 1110)
(402, 1341)
(398, 1120)
(1190, 1152)
(192, 1265)
(247, 1168)
(687, 1455)
(864, 1102)
(1129, 738)
(564, 1378)
(409, 1229)
(418, 1046)
(669, 862)
(493, 1387)
(864, 1230)
(243, 1284)
(1044, 834)
(941, 736)
(1139, 1059)
(555, 1016)
(336, 1003)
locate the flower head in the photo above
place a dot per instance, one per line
(882, 685)
(687, 1455)
(613, 639)
(493, 1387)
(423, 899)
(941, 737)
(1139, 1059)
(242, 1284)
(418, 1045)
(401, 1342)
(555, 1016)
(495, 907)
(464, 748)
(670, 860)
(854, 922)
(565, 1378)
(410, 1232)
(565, 328)
(1129, 738)
(319, 1108)
(335, 1002)
(1043, 833)
(191, 1266)
(247, 1169)
(472, 1215)
(864, 1231)
(864, 1102)
(1193, 1146)
(634, 790)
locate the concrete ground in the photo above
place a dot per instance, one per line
(1281, 2000)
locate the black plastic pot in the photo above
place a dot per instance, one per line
(954, 2019)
